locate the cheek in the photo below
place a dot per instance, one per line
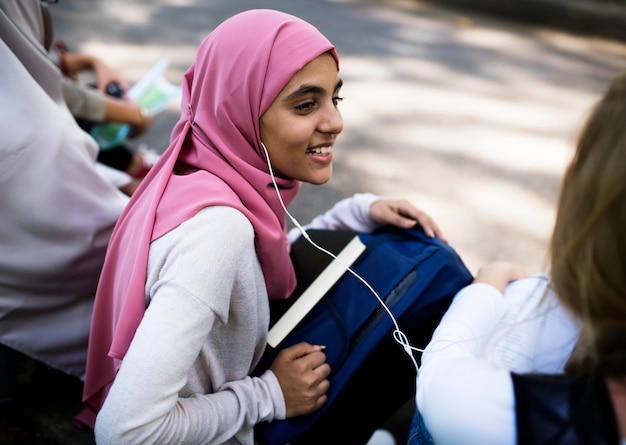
(273, 131)
(294, 136)
(287, 134)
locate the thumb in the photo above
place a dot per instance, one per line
(299, 350)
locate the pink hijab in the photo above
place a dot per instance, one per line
(239, 70)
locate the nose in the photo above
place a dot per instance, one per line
(331, 121)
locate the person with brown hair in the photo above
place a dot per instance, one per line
(467, 392)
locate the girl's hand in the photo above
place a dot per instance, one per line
(401, 213)
(76, 62)
(302, 373)
(105, 75)
(499, 274)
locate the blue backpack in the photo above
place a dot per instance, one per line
(416, 277)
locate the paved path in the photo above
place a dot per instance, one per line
(471, 118)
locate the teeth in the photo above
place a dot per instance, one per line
(319, 150)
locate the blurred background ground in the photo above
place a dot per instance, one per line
(582, 17)
(469, 108)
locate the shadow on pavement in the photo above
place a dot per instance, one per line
(39, 404)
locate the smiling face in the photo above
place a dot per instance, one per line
(299, 129)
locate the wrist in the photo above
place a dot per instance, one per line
(142, 116)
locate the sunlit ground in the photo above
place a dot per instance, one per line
(472, 119)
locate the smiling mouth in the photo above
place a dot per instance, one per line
(319, 150)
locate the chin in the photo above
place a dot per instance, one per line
(316, 180)
(319, 179)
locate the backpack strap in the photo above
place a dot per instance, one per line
(563, 410)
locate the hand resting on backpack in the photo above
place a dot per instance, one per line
(302, 373)
(401, 213)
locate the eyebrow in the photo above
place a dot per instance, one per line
(308, 89)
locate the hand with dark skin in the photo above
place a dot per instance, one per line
(128, 112)
(77, 62)
(130, 188)
(401, 213)
(302, 373)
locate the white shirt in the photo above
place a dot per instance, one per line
(185, 378)
(464, 388)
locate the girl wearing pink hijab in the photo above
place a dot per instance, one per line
(182, 309)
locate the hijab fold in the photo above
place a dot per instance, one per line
(214, 158)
